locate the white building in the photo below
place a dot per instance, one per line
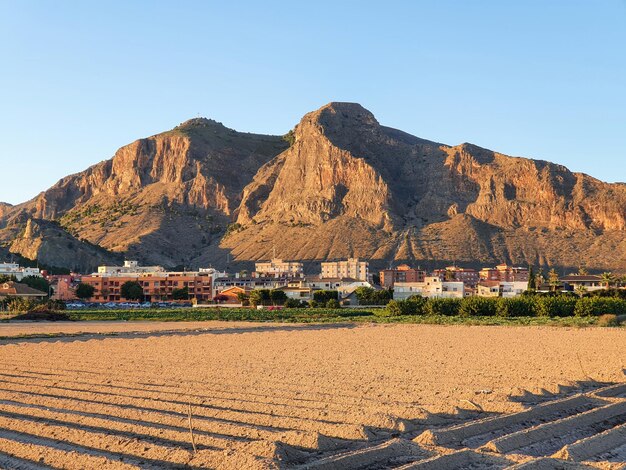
(431, 287)
(277, 267)
(501, 288)
(351, 267)
(130, 267)
(14, 269)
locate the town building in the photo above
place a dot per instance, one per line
(431, 287)
(351, 267)
(587, 282)
(14, 269)
(402, 273)
(63, 286)
(501, 288)
(13, 289)
(504, 273)
(130, 267)
(157, 285)
(278, 268)
(469, 277)
(230, 296)
(222, 283)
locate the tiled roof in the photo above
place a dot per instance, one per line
(17, 289)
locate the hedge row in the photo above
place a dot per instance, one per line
(559, 306)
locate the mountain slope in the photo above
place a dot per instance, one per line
(164, 199)
(346, 186)
(349, 186)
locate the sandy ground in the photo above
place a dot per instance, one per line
(262, 394)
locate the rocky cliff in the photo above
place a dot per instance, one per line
(346, 186)
(164, 199)
(349, 186)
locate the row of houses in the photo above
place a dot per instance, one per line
(345, 276)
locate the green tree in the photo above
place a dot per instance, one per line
(532, 279)
(580, 290)
(260, 297)
(333, 303)
(131, 290)
(607, 279)
(36, 282)
(7, 278)
(244, 299)
(323, 296)
(278, 297)
(553, 280)
(84, 291)
(181, 294)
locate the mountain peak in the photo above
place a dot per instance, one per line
(199, 122)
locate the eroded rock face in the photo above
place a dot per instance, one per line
(45, 241)
(348, 178)
(346, 186)
(161, 199)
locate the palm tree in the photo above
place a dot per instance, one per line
(607, 279)
(582, 271)
(553, 279)
(581, 290)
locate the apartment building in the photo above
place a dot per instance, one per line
(469, 277)
(278, 268)
(402, 273)
(14, 269)
(431, 287)
(157, 285)
(351, 267)
(504, 273)
(130, 267)
(501, 288)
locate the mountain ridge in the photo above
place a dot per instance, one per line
(340, 185)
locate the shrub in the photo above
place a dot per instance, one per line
(594, 306)
(478, 307)
(416, 305)
(394, 308)
(333, 303)
(323, 296)
(293, 303)
(369, 296)
(84, 291)
(19, 304)
(608, 319)
(516, 307)
(556, 306)
(438, 306)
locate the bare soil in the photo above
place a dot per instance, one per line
(124, 394)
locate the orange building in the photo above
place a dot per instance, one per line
(403, 273)
(157, 286)
(504, 273)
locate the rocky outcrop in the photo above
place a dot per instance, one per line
(163, 199)
(382, 194)
(344, 186)
(51, 245)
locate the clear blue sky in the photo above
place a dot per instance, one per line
(537, 78)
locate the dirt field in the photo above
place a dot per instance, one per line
(316, 396)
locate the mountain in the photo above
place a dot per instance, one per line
(339, 185)
(165, 199)
(351, 186)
